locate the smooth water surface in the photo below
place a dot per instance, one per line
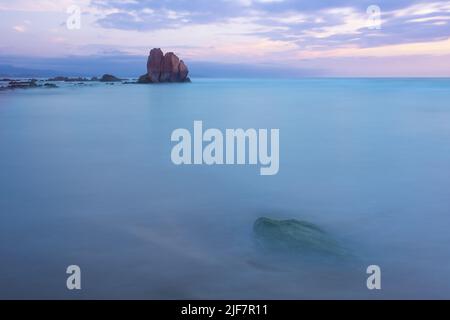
(86, 178)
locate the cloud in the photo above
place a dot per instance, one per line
(19, 28)
(423, 8)
(427, 19)
(435, 48)
(41, 5)
(330, 23)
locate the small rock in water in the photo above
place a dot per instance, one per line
(50, 85)
(109, 78)
(22, 84)
(294, 235)
(67, 79)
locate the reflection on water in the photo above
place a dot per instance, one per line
(86, 178)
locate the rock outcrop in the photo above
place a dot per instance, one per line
(28, 84)
(50, 85)
(22, 84)
(183, 70)
(68, 79)
(164, 68)
(154, 64)
(109, 78)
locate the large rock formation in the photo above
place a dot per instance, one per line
(183, 69)
(164, 68)
(154, 64)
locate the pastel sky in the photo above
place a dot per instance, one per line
(330, 35)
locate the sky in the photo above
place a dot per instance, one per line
(291, 37)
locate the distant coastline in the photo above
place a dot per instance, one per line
(30, 83)
(161, 68)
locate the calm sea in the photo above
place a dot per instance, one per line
(86, 178)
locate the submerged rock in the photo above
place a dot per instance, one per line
(58, 78)
(294, 235)
(50, 85)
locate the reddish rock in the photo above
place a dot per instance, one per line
(170, 68)
(183, 71)
(154, 64)
(164, 68)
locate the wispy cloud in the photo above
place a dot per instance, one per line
(19, 28)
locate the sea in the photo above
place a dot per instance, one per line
(86, 179)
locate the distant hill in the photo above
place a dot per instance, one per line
(133, 66)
